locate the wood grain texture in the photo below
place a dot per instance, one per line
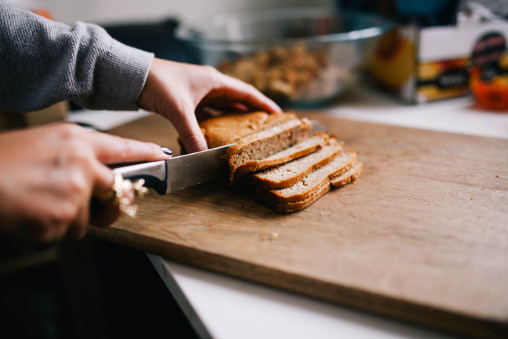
(422, 235)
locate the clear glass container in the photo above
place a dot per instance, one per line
(296, 56)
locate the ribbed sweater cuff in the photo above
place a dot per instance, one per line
(121, 76)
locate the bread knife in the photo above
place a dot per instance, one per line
(176, 173)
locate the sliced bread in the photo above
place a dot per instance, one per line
(345, 178)
(313, 183)
(291, 172)
(274, 152)
(315, 142)
(269, 141)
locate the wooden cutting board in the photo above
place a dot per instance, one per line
(421, 236)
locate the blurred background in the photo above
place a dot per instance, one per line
(427, 56)
(117, 11)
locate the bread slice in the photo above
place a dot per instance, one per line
(290, 207)
(350, 175)
(229, 128)
(293, 171)
(317, 182)
(315, 142)
(262, 144)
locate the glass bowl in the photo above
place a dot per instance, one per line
(296, 56)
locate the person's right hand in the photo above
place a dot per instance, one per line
(49, 175)
(174, 90)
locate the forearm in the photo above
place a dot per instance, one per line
(43, 62)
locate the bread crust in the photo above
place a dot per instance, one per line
(290, 207)
(351, 175)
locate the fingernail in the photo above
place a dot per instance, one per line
(167, 150)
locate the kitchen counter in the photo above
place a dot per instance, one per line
(222, 307)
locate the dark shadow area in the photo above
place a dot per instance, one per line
(138, 302)
(85, 289)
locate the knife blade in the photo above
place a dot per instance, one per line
(176, 173)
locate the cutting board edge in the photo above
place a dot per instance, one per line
(345, 296)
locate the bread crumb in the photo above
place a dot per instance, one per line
(428, 203)
(497, 176)
(272, 236)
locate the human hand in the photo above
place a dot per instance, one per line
(174, 90)
(49, 175)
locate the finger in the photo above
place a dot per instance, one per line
(103, 179)
(103, 212)
(189, 131)
(236, 90)
(219, 107)
(113, 149)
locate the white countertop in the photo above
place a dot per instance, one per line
(223, 307)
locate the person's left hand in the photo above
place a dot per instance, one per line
(174, 90)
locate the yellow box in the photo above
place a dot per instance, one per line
(421, 65)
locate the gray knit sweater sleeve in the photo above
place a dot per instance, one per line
(43, 62)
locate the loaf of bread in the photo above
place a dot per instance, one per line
(275, 153)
